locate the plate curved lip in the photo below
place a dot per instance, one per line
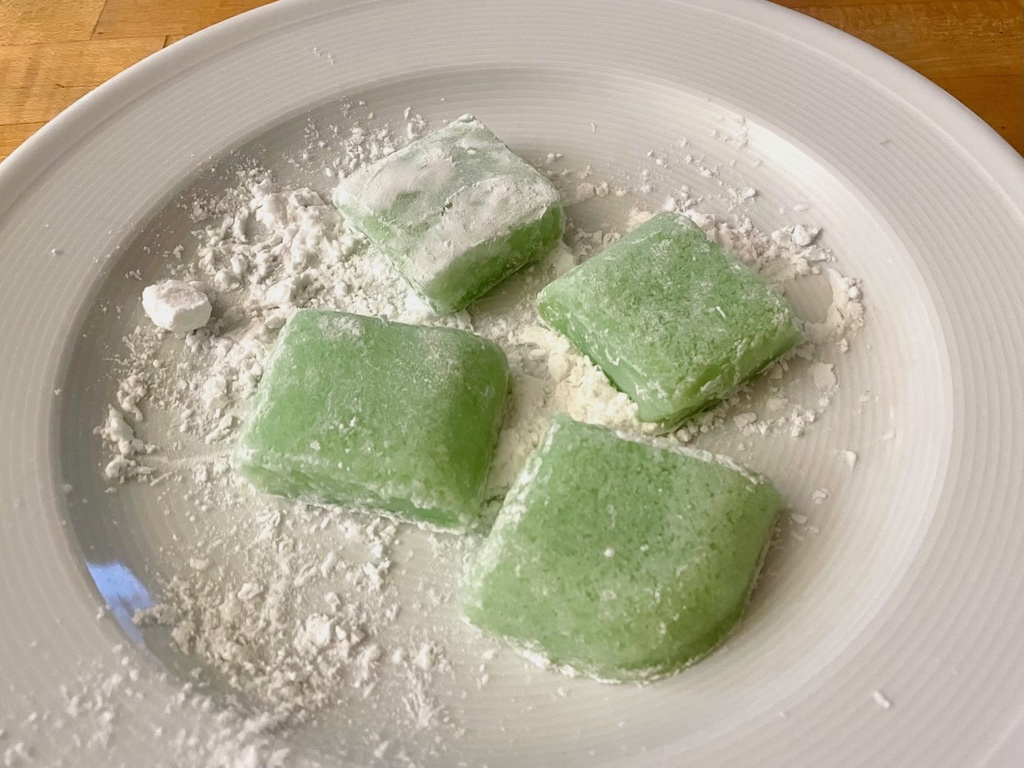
(911, 86)
(1003, 166)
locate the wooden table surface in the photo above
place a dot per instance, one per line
(54, 51)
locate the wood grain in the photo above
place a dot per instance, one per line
(47, 66)
(47, 21)
(54, 51)
(30, 105)
(995, 97)
(938, 39)
(128, 18)
(12, 136)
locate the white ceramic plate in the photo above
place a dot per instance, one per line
(890, 638)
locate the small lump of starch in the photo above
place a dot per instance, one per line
(176, 306)
(674, 320)
(618, 559)
(357, 410)
(456, 212)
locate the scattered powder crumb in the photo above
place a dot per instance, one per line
(125, 448)
(84, 728)
(824, 377)
(880, 700)
(845, 314)
(820, 495)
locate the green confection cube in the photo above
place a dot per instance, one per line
(618, 559)
(674, 320)
(456, 211)
(357, 410)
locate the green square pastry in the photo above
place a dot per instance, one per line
(619, 559)
(674, 320)
(456, 211)
(357, 410)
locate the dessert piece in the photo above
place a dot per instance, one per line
(357, 410)
(674, 320)
(619, 559)
(456, 211)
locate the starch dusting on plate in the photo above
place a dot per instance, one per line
(313, 620)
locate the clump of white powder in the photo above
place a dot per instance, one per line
(288, 635)
(125, 446)
(312, 621)
(176, 306)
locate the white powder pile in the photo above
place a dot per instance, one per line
(287, 635)
(312, 617)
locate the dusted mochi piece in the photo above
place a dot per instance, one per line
(456, 211)
(674, 320)
(356, 410)
(618, 559)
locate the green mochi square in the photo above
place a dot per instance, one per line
(618, 559)
(456, 212)
(357, 410)
(674, 320)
